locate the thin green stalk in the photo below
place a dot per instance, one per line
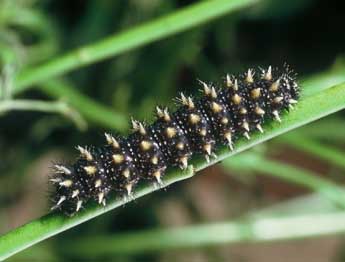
(256, 163)
(327, 153)
(318, 82)
(43, 106)
(168, 25)
(89, 108)
(321, 130)
(303, 177)
(247, 230)
(316, 203)
(320, 210)
(308, 109)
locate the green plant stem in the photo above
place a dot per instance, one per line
(308, 109)
(168, 25)
(43, 106)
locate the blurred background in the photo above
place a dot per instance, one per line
(308, 34)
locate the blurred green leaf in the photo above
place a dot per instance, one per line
(257, 227)
(311, 146)
(321, 130)
(93, 111)
(278, 9)
(43, 106)
(173, 23)
(318, 82)
(256, 163)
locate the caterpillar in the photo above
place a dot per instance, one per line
(223, 114)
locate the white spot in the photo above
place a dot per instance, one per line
(207, 148)
(259, 111)
(207, 90)
(66, 183)
(276, 116)
(183, 99)
(245, 125)
(246, 135)
(278, 99)
(85, 153)
(111, 140)
(275, 86)
(184, 162)
(62, 169)
(207, 158)
(236, 85)
(63, 198)
(258, 126)
(268, 74)
(55, 180)
(100, 197)
(228, 81)
(98, 183)
(229, 139)
(213, 92)
(159, 111)
(79, 203)
(129, 189)
(249, 77)
(75, 193)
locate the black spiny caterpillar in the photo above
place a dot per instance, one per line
(197, 127)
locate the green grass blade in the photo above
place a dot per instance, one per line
(316, 203)
(309, 109)
(290, 173)
(318, 82)
(321, 131)
(327, 153)
(292, 212)
(246, 230)
(89, 108)
(43, 106)
(168, 25)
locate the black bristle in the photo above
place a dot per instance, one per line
(198, 126)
